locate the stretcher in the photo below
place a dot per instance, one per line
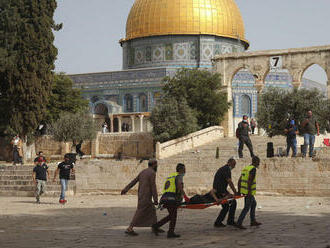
(206, 205)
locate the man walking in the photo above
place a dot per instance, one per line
(64, 169)
(242, 134)
(220, 183)
(310, 127)
(39, 175)
(247, 187)
(173, 194)
(291, 140)
(145, 215)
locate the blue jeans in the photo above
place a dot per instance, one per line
(309, 140)
(64, 186)
(291, 143)
(250, 203)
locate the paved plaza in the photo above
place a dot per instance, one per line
(100, 221)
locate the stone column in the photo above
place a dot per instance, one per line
(259, 86)
(327, 71)
(119, 124)
(133, 123)
(141, 123)
(296, 85)
(111, 123)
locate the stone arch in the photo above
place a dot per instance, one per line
(309, 65)
(310, 80)
(101, 109)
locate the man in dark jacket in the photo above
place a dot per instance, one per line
(243, 136)
(220, 183)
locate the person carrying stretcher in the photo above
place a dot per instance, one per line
(219, 192)
(173, 194)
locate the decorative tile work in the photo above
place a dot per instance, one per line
(131, 56)
(226, 49)
(207, 52)
(148, 53)
(158, 54)
(169, 51)
(180, 51)
(193, 50)
(139, 56)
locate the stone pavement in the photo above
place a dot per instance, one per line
(100, 221)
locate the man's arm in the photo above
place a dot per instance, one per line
(239, 185)
(55, 174)
(213, 194)
(232, 186)
(48, 175)
(317, 127)
(129, 186)
(34, 177)
(250, 181)
(154, 189)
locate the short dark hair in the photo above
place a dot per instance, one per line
(245, 116)
(231, 160)
(255, 159)
(40, 152)
(151, 162)
(67, 156)
(179, 167)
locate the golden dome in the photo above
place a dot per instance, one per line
(170, 17)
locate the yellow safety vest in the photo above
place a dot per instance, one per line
(169, 185)
(244, 181)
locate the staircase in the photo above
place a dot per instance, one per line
(17, 181)
(227, 148)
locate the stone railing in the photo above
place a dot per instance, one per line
(176, 146)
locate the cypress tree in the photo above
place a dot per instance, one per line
(27, 56)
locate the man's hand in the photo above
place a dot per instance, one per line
(123, 192)
(35, 182)
(155, 203)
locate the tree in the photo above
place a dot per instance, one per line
(277, 106)
(64, 98)
(202, 91)
(27, 56)
(74, 127)
(172, 119)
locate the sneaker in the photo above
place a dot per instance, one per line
(62, 201)
(231, 223)
(255, 223)
(131, 233)
(219, 225)
(172, 235)
(154, 229)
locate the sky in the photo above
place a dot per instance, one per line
(91, 30)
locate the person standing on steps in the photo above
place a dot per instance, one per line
(247, 186)
(39, 176)
(145, 215)
(253, 125)
(291, 141)
(310, 128)
(242, 133)
(64, 169)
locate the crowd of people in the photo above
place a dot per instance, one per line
(173, 195)
(309, 128)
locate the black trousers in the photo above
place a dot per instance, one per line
(171, 217)
(231, 207)
(245, 140)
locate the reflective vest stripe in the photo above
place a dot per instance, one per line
(244, 181)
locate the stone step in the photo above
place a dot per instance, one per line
(31, 188)
(31, 193)
(25, 182)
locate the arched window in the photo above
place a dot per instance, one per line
(245, 105)
(143, 103)
(128, 103)
(101, 109)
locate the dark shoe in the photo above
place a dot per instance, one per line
(240, 227)
(154, 229)
(131, 233)
(160, 230)
(172, 235)
(255, 223)
(231, 223)
(219, 225)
